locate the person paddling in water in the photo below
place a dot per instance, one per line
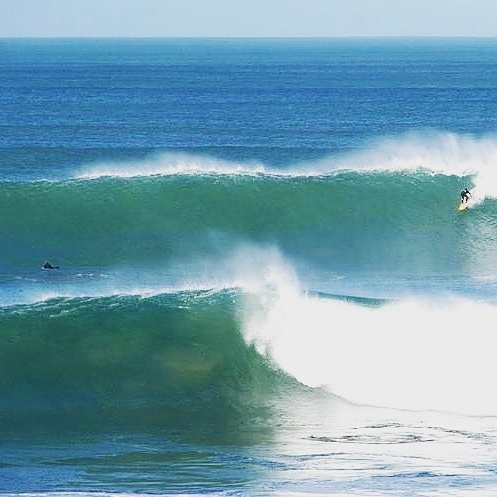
(465, 196)
(47, 265)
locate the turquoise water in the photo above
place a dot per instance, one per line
(265, 286)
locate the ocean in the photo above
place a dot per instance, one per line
(264, 286)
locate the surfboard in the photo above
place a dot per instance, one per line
(463, 206)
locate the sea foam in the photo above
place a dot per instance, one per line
(414, 353)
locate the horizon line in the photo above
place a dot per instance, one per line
(270, 37)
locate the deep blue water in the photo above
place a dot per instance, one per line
(66, 103)
(265, 286)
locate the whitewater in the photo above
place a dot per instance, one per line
(264, 290)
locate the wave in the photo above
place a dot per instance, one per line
(160, 360)
(192, 356)
(445, 153)
(436, 151)
(377, 220)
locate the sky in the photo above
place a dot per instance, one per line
(247, 18)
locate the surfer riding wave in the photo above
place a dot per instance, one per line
(465, 196)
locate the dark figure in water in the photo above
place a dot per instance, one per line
(465, 194)
(47, 265)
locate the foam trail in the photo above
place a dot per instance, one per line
(409, 355)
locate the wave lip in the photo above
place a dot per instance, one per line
(169, 164)
(436, 151)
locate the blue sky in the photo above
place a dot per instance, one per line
(247, 18)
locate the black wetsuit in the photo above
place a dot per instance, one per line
(47, 265)
(465, 194)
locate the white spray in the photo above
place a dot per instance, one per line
(411, 354)
(439, 152)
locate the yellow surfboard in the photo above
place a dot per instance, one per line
(463, 206)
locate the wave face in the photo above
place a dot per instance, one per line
(160, 361)
(398, 221)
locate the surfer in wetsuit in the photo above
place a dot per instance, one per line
(47, 265)
(465, 194)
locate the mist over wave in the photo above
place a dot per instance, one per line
(436, 151)
(439, 152)
(167, 164)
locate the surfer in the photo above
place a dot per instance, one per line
(47, 265)
(465, 195)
